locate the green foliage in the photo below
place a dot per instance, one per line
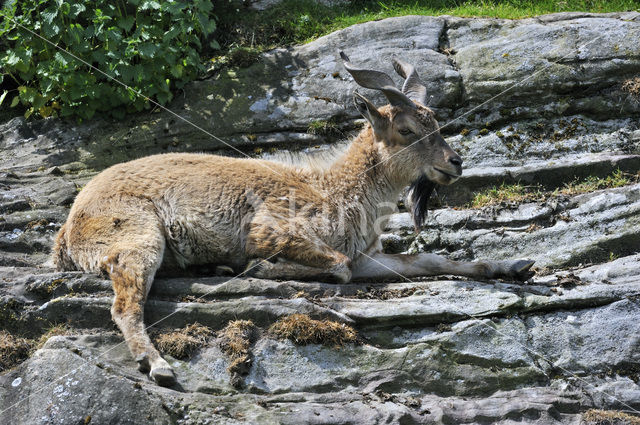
(153, 47)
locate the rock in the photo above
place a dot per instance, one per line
(548, 174)
(552, 346)
(592, 227)
(545, 58)
(432, 350)
(69, 398)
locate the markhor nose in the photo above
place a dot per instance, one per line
(456, 160)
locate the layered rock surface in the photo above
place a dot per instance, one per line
(438, 350)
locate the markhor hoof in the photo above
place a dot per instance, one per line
(163, 377)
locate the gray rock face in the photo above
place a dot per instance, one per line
(434, 350)
(558, 233)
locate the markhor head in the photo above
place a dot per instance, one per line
(407, 132)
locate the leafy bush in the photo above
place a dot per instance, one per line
(152, 46)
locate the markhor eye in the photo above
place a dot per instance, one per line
(406, 132)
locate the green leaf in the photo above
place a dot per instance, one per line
(149, 5)
(210, 27)
(61, 59)
(169, 35)
(38, 101)
(27, 94)
(77, 9)
(176, 70)
(46, 111)
(90, 31)
(15, 102)
(204, 5)
(113, 35)
(139, 73)
(2, 96)
(147, 50)
(49, 15)
(65, 8)
(128, 73)
(46, 85)
(126, 22)
(174, 7)
(51, 30)
(11, 59)
(76, 92)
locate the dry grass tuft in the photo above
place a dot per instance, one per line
(235, 341)
(181, 343)
(301, 329)
(13, 350)
(609, 417)
(632, 86)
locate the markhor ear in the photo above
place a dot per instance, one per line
(371, 114)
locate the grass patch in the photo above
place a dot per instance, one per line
(302, 330)
(300, 21)
(235, 341)
(323, 128)
(13, 350)
(590, 184)
(182, 343)
(609, 417)
(517, 193)
(513, 193)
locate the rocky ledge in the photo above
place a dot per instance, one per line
(437, 350)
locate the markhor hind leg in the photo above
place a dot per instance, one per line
(380, 265)
(132, 267)
(305, 260)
